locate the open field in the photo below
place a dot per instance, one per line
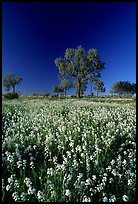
(69, 150)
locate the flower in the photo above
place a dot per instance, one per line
(125, 198)
(105, 199)
(68, 193)
(94, 177)
(88, 182)
(80, 176)
(86, 199)
(40, 195)
(66, 146)
(23, 196)
(112, 198)
(15, 196)
(31, 191)
(8, 187)
(19, 164)
(129, 182)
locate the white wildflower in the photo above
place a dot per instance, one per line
(125, 198)
(31, 191)
(94, 177)
(88, 182)
(68, 193)
(40, 196)
(8, 187)
(105, 199)
(86, 199)
(15, 196)
(112, 198)
(23, 196)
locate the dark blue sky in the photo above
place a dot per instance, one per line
(35, 34)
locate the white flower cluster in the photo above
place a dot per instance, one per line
(68, 151)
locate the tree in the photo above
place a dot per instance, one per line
(99, 86)
(134, 87)
(123, 88)
(117, 88)
(65, 85)
(83, 86)
(58, 89)
(95, 74)
(92, 77)
(78, 64)
(11, 81)
(127, 88)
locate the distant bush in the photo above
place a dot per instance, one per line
(52, 97)
(89, 96)
(134, 98)
(35, 94)
(46, 95)
(73, 96)
(55, 96)
(11, 95)
(62, 96)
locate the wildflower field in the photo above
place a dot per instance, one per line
(68, 151)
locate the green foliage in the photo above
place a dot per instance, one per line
(134, 87)
(78, 64)
(134, 98)
(99, 86)
(50, 97)
(11, 80)
(11, 95)
(58, 89)
(123, 88)
(65, 85)
(46, 94)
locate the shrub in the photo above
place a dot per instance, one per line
(134, 98)
(11, 95)
(73, 96)
(52, 97)
(46, 95)
(62, 96)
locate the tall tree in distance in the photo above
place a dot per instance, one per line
(117, 88)
(123, 88)
(92, 77)
(11, 80)
(65, 85)
(95, 73)
(78, 64)
(99, 86)
(58, 89)
(134, 87)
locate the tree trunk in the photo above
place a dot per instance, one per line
(79, 88)
(97, 93)
(91, 88)
(13, 89)
(65, 92)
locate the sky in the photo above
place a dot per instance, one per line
(34, 34)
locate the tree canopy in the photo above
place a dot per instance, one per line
(123, 88)
(65, 85)
(99, 86)
(58, 89)
(78, 64)
(10, 81)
